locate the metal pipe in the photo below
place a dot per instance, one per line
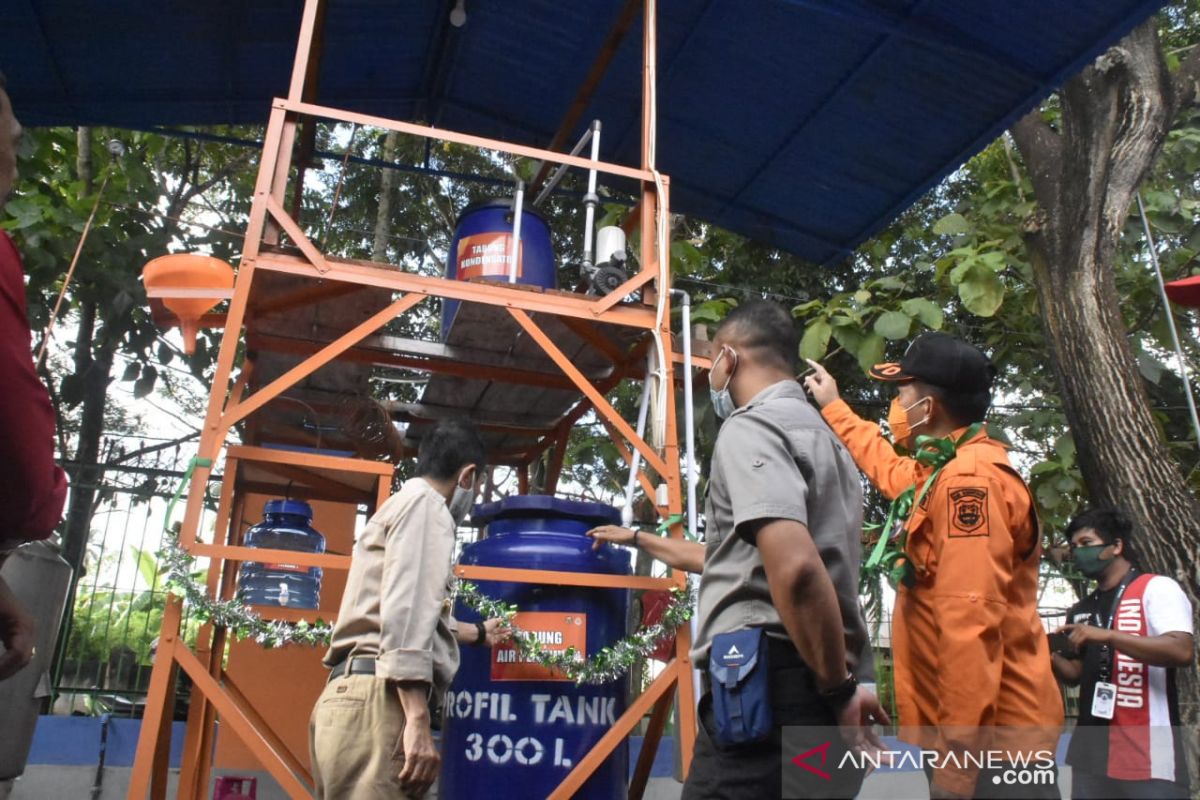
(515, 245)
(98, 783)
(1162, 291)
(636, 455)
(689, 412)
(591, 200)
(561, 169)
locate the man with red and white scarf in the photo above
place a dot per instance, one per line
(1130, 636)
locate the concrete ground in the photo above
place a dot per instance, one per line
(42, 782)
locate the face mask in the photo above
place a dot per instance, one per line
(1088, 561)
(722, 400)
(897, 420)
(460, 504)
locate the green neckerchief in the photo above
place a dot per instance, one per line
(889, 557)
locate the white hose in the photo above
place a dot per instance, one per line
(635, 461)
(515, 245)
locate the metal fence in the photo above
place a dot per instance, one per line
(111, 630)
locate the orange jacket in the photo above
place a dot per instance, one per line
(968, 646)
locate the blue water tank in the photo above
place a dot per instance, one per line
(510, 729)
(286, 525)
(482, 244)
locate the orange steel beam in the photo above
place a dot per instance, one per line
(616, 734)
(312, 492)
(298, 237)
(382, 491)
(270, 555)
(310, 365)
(319, 487)
(598, 400)
(311, 460)
(599, 66)
(627, 455)
(229, 575)
(312, 71)
(149, 774)
(552, 578)
(271, 754)
(488, 292)
(193, 773)
(442, 134)
(650, 742)
(628, 287)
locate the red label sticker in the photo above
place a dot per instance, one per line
(486, 255)
(556, 630)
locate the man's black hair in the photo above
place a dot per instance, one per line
(3, 81)
(964, 408)
(766, 327)
(1109, 524)
(450, 446)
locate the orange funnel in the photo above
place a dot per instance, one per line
(189, 285)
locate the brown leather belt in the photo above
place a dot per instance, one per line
(357, 666)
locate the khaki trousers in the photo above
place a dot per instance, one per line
(353, 736)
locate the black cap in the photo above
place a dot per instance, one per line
(941, 360)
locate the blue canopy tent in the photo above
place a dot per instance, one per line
(807, 124)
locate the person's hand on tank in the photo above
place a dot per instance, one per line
(611, 533)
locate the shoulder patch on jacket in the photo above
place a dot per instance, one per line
(968, 511)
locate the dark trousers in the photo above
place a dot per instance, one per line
(1090, 786)
(756, 771)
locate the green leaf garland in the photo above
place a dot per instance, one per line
(243, 623)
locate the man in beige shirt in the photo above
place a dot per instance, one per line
(393, 647)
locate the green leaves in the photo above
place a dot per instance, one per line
(952, 225)
(928, 312)
(815, 341)
(893, 325)
(870, 351)
(980, 290)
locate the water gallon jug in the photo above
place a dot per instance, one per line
(286, 525)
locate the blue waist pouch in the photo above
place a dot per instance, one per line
(740, 684)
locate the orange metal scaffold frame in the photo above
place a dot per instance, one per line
(214, 694)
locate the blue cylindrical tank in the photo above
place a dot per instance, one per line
(481, 247)
(286, 525)
(510, 730)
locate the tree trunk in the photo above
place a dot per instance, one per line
(1115, 117)
(383, 217)
(93, 363)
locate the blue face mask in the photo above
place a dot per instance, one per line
(722, 400)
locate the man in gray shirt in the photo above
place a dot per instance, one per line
(783, 538)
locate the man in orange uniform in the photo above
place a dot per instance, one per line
(970, 652)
